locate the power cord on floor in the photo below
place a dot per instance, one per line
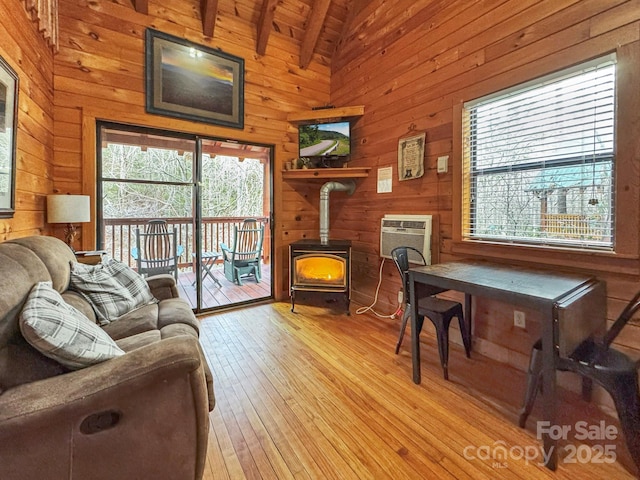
(362, 310)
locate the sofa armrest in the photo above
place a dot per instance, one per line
(163, 286)
(152, 401)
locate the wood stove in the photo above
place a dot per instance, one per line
(320, 267)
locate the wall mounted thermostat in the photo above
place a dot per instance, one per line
(443, 164)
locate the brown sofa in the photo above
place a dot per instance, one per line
(142, 415)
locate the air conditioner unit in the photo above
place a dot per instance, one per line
(408, 231)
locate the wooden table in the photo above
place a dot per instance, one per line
(573, 307)
(93, 257)
(209, 259)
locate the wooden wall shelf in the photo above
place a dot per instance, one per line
(326, 115)
(327, 173)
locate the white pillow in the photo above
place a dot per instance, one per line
(59, 331)
(112, 288)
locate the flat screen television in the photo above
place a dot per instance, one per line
(325, 140)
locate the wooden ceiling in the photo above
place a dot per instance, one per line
(317, 26)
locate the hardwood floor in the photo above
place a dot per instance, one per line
(316, 395)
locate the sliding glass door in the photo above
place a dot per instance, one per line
(197, 192)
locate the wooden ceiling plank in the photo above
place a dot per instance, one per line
(354, 8)
(316, 19)
(141, 6)
(264, 24)
(208, 12)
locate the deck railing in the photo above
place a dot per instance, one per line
(571, 226)
(120, 236)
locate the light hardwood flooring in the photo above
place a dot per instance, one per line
(321, 395)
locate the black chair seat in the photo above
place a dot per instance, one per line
(606, 360)
(437, 305)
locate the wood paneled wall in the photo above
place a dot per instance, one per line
(409, 63)
(100, 70)
(24, 48)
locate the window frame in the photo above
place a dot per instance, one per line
(626, 182)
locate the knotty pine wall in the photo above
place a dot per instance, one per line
(99, 73)
(409, 62)
(26, 51)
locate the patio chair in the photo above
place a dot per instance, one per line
(156, 249)
(245, 258)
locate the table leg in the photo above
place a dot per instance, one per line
(415, 335)
(468, 314)
(549, 363)
(208, 273)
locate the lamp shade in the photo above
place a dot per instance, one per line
(68, 209)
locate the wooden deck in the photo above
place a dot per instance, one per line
(316, 395)
(214, 296)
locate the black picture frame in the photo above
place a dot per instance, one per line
(193, 82)
(9, 86)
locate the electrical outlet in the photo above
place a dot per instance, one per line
(400, 297)
(519, 319)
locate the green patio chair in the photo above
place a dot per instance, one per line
(156, 250)
(245, 258)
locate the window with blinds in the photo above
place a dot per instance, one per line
(538, 160)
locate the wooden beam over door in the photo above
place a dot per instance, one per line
(141, 6)
(314, 26)
(264, 24)
(208, 12)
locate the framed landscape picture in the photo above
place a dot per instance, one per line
(8, 124)
(193, 82)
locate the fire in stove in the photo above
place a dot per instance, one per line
(320, 270)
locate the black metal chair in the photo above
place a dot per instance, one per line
(438, 310)
(597, 362)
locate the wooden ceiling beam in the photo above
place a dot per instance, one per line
(315, 22)
(264, 24)
(236, 152)
(213, 148)
(208, 12)
(141, 6)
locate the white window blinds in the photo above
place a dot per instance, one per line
(538, 160)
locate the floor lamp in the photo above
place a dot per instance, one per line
(68, 209)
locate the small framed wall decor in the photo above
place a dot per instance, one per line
(193, 82)
(411, 156)
(8, 127)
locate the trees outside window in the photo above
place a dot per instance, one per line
(538, 160)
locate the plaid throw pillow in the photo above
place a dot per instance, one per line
(112, 288)
(59, 331)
